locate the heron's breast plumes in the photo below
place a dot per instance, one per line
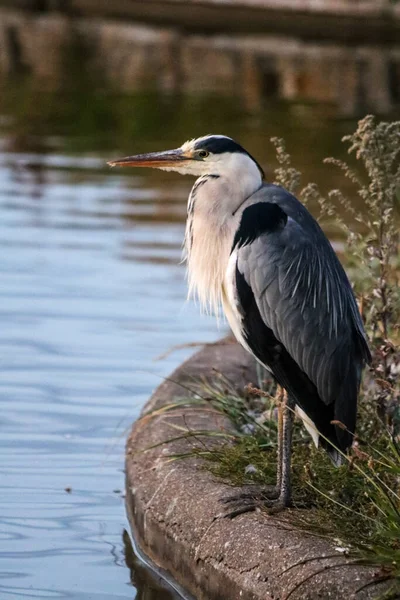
(207, 251)
(212, 221)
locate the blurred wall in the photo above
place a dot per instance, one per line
(124, 55)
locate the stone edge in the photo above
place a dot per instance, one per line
(175, 511)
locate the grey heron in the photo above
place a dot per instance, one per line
(254, 249)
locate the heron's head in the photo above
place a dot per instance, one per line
(208, 155)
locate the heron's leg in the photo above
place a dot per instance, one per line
(286, 453)
(281, 399)
(271, 497)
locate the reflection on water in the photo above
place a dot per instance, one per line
(91, 292)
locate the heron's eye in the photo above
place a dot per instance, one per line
(202, 153)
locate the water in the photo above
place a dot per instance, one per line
(91, 292)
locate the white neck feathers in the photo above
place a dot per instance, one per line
(214, 213)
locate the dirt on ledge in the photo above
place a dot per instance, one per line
(175, 511)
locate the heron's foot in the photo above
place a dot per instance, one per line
(255, 498)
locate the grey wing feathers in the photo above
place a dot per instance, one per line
(304, 296)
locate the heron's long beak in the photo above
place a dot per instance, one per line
(166, 159)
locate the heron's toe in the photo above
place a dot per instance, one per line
(250, 500)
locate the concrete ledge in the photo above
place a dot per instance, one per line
(173, 508)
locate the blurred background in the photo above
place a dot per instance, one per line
(91, 289)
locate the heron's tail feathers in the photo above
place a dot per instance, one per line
(331, 438)
(335, 455)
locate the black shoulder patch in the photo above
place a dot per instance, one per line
(263, 217)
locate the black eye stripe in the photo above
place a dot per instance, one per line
(219, 145)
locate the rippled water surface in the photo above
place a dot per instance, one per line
(91, 293)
